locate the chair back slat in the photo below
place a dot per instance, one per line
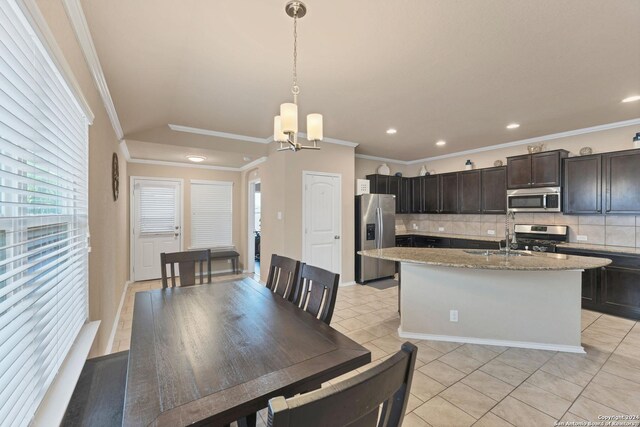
(376, 397)
(283, 276)
(318, 290)
(187, 263)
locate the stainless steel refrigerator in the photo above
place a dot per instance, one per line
(375, 228)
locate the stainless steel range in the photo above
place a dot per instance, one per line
(540, 238)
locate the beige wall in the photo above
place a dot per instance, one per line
(108, 268)
(281, 187)
(187, 174)
(366, 167)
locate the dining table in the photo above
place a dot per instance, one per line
(215, 353)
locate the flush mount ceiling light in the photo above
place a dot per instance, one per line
(441, 143)
(392, 131)
(632, 98)
(513, 125)
(197, 159)
(285, 126)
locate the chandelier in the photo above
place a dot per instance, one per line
(285, 126)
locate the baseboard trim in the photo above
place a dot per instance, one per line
(114, 327)
(344, 284)
(486, 341)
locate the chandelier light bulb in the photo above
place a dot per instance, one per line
(289, 117)
(314, 127)
(278, 135)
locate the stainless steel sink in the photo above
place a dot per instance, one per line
(487, 252)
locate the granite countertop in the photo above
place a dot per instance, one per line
(584, 246)
(460, 258)
(400, 233)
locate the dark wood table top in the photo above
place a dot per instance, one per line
(210, 354)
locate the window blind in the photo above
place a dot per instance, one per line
(211, 214)
(43, 218)
(157, 209)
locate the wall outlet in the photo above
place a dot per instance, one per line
(491, 232)
(440, 228)
(414, 226)
(581, 238)
(279, 215)
(453, 315)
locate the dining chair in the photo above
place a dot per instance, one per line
(187, 267)
(284, 275)
(376, 397)
(317, 291)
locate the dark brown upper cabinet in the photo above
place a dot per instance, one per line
(378, 184)
(395, 188)
(449, 192)
(494, 190)
(405, 191)
(621, 171)
(469, 192)
(582, 191)
(417, 191)
(536, 170)
(431, 192)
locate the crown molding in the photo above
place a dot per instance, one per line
(382, 159)
(537, 139)
(42, 31)
(81, 29)
(209, 132)
(125, 150)
(196, 166)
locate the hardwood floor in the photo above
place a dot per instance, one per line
(459, 384)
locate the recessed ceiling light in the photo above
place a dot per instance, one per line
(441, 142)
(197, 159)
(632, 98)
(392, 131)
(513, 125)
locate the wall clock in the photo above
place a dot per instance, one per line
(115, 177)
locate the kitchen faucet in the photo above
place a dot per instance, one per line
(510, 240)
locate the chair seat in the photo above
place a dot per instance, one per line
(98, 399)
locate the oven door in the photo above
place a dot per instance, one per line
(534, 200)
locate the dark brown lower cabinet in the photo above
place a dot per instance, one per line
(614, 289)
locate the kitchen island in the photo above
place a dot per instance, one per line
(525, 299)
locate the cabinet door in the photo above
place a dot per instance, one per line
(417, 201)
(449, 193)
(583, 185)
(430, 192)
(395, 188)
(469, 192)
(620, 292)
(519, 171)
(405, 189)
(494, 190)
(590, 279)
(622, 180)
(546, 169)
(378, 184)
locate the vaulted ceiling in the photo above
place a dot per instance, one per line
(432, 69)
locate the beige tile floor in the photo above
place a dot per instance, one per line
(459, 384)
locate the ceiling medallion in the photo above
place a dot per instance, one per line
(285, 126)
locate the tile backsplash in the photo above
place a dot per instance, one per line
(598, 230)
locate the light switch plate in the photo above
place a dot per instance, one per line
(491, 232)
(440, 228)
(581, 238)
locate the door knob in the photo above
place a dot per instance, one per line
(336, 237)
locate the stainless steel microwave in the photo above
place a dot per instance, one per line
(545, 199)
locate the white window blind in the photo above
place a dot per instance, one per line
(211, 214)
(43, 218)
(157, 209)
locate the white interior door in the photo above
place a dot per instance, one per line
(156, 224)
(322, 240)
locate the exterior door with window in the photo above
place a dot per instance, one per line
(322, 221)
(156, 224)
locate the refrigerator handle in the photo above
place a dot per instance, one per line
(381, 227)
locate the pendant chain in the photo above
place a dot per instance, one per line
(295, 89)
